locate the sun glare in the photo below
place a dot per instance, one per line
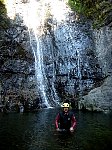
(10, 6)
(34, 12)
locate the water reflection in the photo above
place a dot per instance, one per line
(36, 131)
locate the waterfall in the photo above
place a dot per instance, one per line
(47, 94)
(79, 71)
(39, 68)
(59, 44)
(33, 14)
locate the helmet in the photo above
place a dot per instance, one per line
(65, 105)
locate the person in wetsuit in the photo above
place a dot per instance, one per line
(65, 120)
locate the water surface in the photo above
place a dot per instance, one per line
(36, 131)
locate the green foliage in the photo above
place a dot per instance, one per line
(2, 1)
(97, 10)
(75, 5)
(2, 9)
(4, 21)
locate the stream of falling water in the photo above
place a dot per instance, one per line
(35, 43)
(33, 14)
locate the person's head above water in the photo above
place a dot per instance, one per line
(65, 107)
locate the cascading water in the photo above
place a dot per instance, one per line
(48, 95)
(39, 68)
(33, 14)
(59, 44)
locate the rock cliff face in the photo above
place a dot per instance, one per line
(75, 60)
(17, 65)
(101, 98)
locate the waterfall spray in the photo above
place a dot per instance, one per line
(33, 14)
(35, 40)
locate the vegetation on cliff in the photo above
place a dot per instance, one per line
(3, 1)
(100, 11)
(4, 21)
